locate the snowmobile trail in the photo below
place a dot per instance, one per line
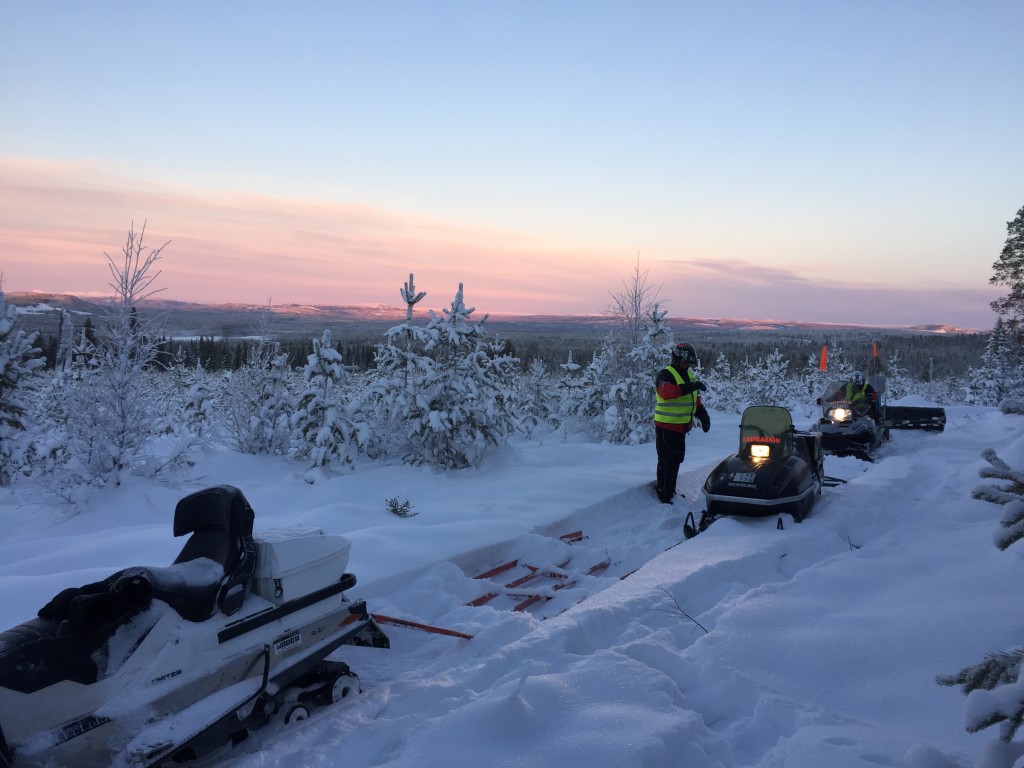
(699, 596)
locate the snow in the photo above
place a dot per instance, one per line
(817, 645)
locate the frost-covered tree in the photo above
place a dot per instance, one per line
(115, 414)
(994, 687)
(629, 402)
(326, 433)
(1008, 270)
(19, 359)
(449, 395)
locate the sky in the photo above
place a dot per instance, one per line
(831, 162)
(815, 645)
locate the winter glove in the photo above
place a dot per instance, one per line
(705, 419)
(701, 386)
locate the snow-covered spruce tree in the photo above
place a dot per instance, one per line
(994, 687)
(581, 392)
(114, 414)
(198, 401)
(19, 359)
(534, 402)
(629, 402)
(450, 401)
(399, 369)
(326, 434)
(258, 402)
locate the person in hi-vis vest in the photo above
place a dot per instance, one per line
(677, 392)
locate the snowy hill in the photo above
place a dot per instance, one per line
(192, 319)
(816, 645)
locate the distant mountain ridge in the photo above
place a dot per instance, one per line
(183, 317)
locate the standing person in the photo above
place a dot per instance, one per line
(678, 401)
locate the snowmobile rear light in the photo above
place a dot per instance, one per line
(760, 451)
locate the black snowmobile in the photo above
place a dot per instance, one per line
(858, 428)
(778, 470)
(155, 666)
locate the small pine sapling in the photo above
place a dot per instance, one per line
(400, 507)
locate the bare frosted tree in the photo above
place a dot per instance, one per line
(115, 415)
(632, 307)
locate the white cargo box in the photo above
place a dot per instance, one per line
(293, 562)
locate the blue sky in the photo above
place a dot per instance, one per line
(793, 160)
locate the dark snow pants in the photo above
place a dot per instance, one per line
(671, 452)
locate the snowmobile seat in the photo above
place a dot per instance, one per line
(220, 521)
(67, 640)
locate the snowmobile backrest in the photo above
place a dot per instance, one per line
(769, 425)
(220, 521)
(877, 382)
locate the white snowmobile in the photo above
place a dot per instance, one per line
(155, 666)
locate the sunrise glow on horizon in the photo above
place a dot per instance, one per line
(854, 164)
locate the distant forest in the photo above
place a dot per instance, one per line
(925, 356)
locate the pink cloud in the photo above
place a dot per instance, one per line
(57, 220)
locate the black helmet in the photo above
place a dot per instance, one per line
(684, 354)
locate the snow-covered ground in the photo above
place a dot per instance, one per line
(816, 645)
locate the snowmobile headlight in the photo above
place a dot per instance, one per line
(840, 414)
(760, 451)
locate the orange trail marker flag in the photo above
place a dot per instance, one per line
(824, 359)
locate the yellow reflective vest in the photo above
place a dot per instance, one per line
(681, 409)
(854, 395)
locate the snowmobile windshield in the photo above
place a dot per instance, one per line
(766, 431)
(835, 391)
